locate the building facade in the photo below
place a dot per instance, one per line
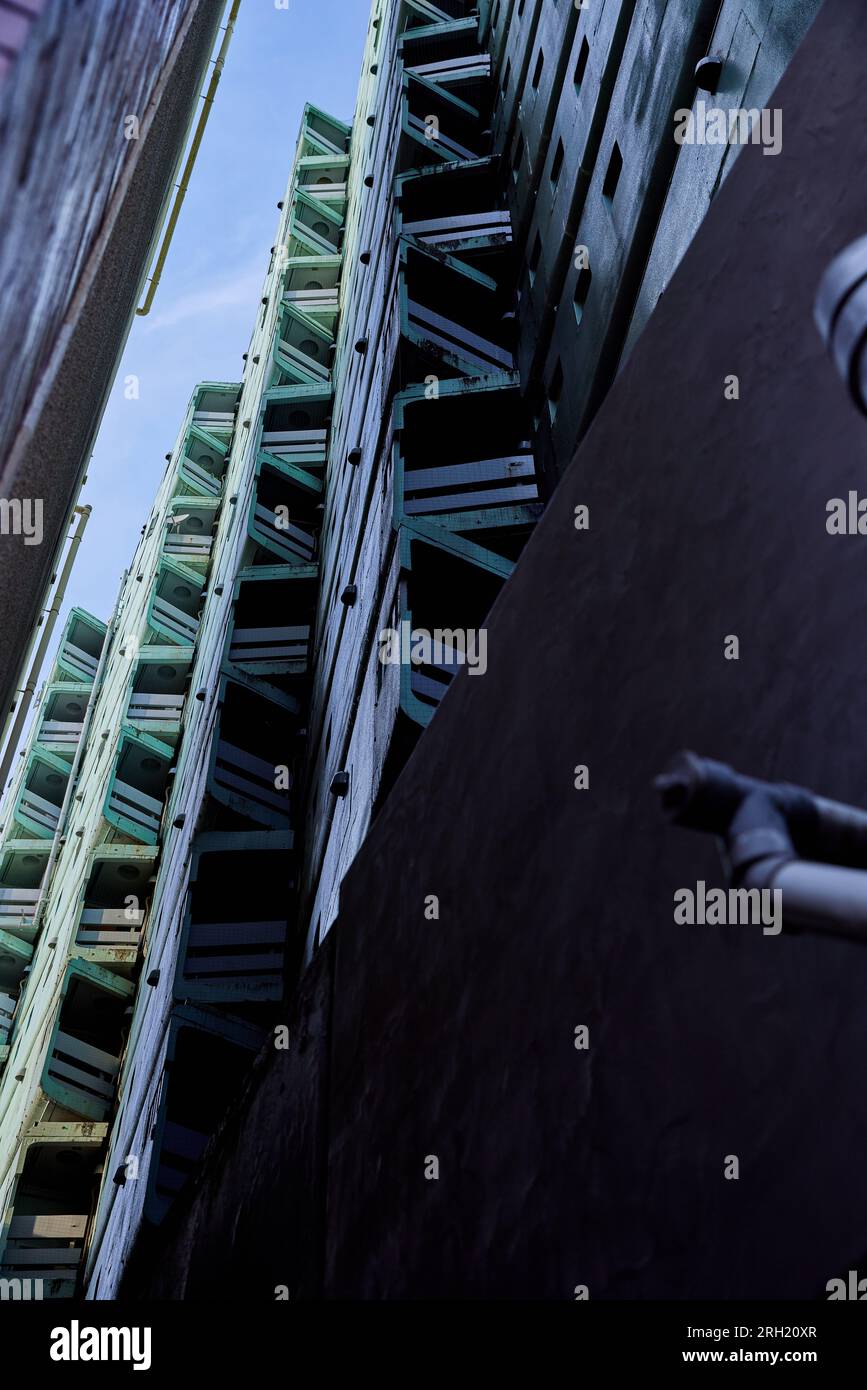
(455, 279)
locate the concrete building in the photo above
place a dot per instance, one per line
(96, 101)
(455, 278)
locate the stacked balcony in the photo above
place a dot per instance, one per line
(176, 603)
(112, 914)
(45, 1228)
(261, 642)
(61, 717)
(251, 769)
(207, 1060)
(84, 1053)
(158, 692)
(135, 798)
(236, 924)
(79, 650)
(189, 530)
(286, 511)
(202, 464)
(41, 793)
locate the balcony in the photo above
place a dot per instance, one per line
(189, 531)
(312, 286)
(83, 1061)
(215, 409)
(46, 1224)
(255, 739)
(8, 1005)
(207, 1060)
(437, 127)
(62, 717)
(158, 694)
(458, 210)
(115, 904)
(295, 427)
(80, 647)
(18, 911)
(447, 586)
(234, 938)
(202, 463)
(286, 510)
(461, 463)
(15, 956)
(425, 13)
(322, 134)
(315, 227)
(302, 347)
(261, 640)
(439, 299)
(176, 603)
(43, 788)
(135, 798)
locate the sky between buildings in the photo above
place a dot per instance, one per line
(208, 298)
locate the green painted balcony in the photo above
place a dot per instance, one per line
(189, 530)
(437, 126)
(272, 622)
(207, 1058)
(114, 907)
(135, 796)
(233, 944)
(315, 227)
(83, 1059)
(458, 210)
(202, 463)
(285, 515)
(253, 754)
(158, 692)
(79, 649)
(311, 284)
(453, 316)
(303, 346)
(38, 805)
(46, 1224)
(322, 134)
(176, 603)
(61, 717)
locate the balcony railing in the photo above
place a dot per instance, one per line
(460, 487)
(290, 542)
(292, 359)
(475, 227)
(191, 472)
(214, 419)
(241, 774)
(109, 926)
(452, 71)
(306, 448)
(443, 145)
(58, 733)
(155, 709)
(18, 910)
(7, 1013)
(43, 816)
(81, 662)
(182, 626)
(237, 950)
(143, 811)
(190, 548)
(326, 192)
(87, 1074)
(180, 1153)
(45, 1246)
(479, 354)
(261, 645)
(313, 301)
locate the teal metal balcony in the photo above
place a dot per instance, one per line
(233, 943)
(61, 717)
(286, 510)
(459, 209)
(83, 1060)
(437, 126)
(176, 603)
(453, 316)
(261, 640)
(303, 346)
(207, 1058)
(189, 530)
(311, 284)
(38, 805)
(8, 1005)
(158, 692)
(322, 134)
(202, 463)
(253, 747)
(44, 1228)
(112, 915)
(18, 911)
(79, 649)
(134, 799)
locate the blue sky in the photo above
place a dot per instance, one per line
(206, 304)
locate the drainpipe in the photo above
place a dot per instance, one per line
(26, 694)
(778, 837)
(208, 100)
(58, 836)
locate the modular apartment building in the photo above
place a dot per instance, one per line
(454, 280)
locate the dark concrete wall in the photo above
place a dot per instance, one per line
(79, 210)
(454, 1037)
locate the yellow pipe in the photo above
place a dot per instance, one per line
(191, 159)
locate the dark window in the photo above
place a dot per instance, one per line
(534, 257)
(555, 390)
(557, 163)
(582, 289)
(612, 175)
(537, 75)
(581, 65)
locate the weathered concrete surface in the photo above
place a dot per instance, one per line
(454, 1037)
(79, 208)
